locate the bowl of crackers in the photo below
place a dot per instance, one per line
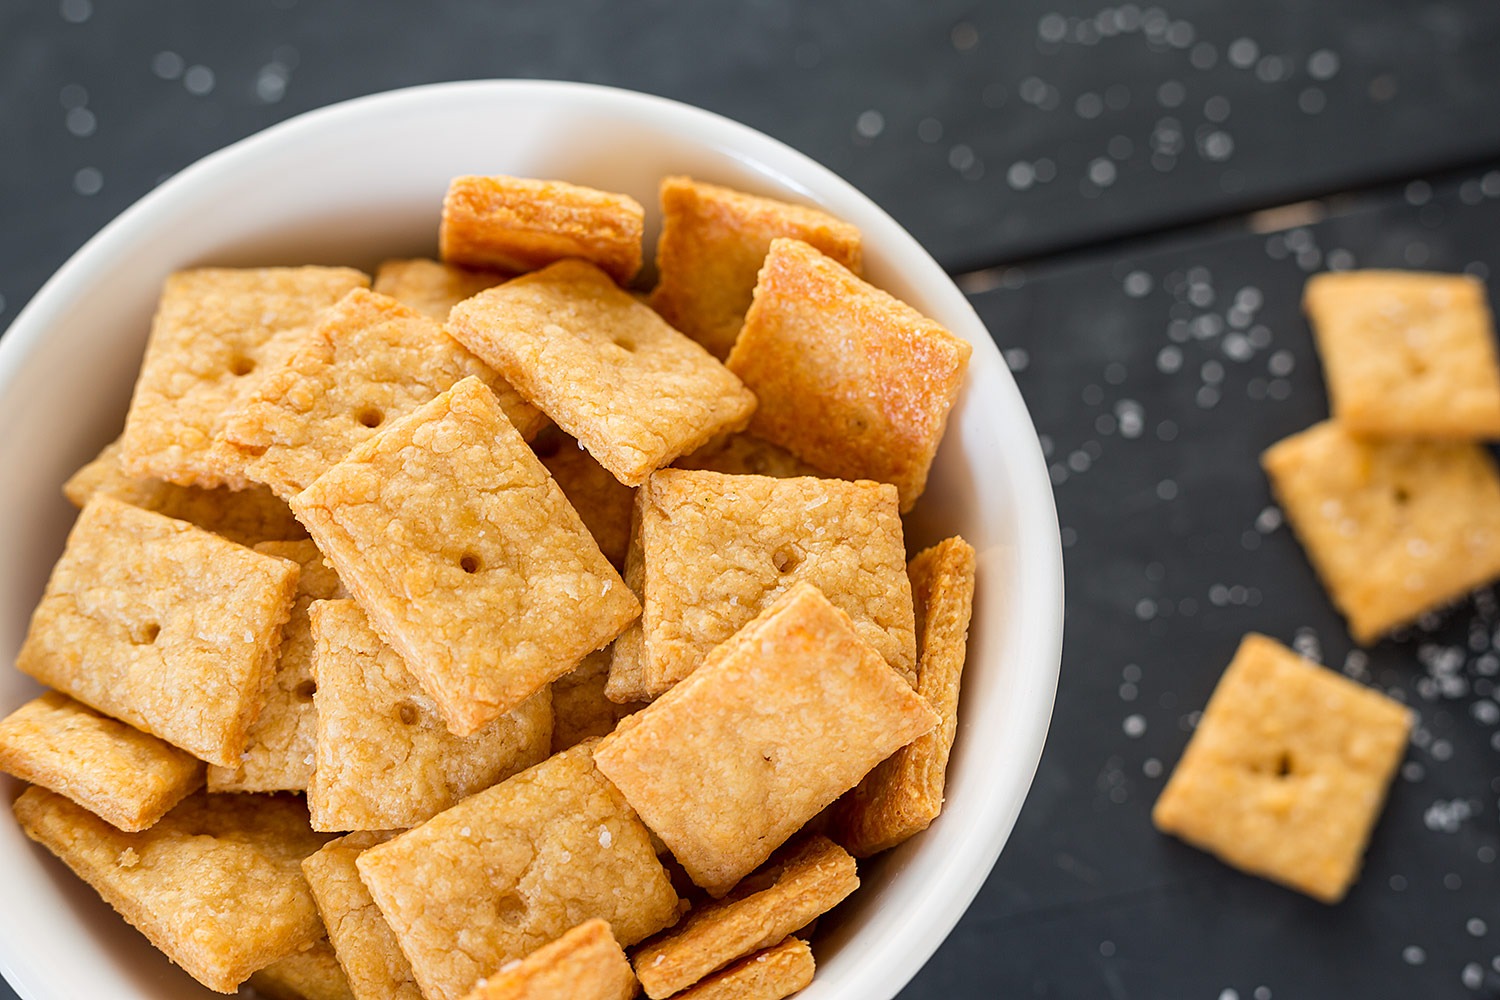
(510, 539)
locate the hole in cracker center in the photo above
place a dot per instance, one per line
(370, 416)
(469, 562)
(149, 633)
(625, 344)
(239, 365)
(407, 713)
(305, 690)
(786, 560)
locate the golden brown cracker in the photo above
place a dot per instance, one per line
(586, 963)
(746, 455)
(580, 708)
(116, 772)
(512, 868)
(1407, 353)
(366, 948)
(313, 974)
(1395, 527)
(720, 549)
(385, 760)
(813, 877)
(627, 654)
(777, 723)
(432, 287)
(518, 224)
(771, 975)
(215, 331)
(601, 500)
(607, 369)
(849, 378)
(466, 556)
(142, 610)
(215, 884)
(904, 794)
(713, 242)
(1286, 773)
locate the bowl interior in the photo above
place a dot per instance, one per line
(362, 181)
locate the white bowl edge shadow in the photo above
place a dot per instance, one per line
(359, 181)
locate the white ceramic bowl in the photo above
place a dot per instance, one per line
(360, 181)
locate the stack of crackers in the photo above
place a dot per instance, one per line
(446, 637)
(1397, 501)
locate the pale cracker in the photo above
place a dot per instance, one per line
(606, 368)
(776, 724)
(713, 242)
(142, 610)
(366, 948)
(513, 867)
(601, 500)
(247, 516)
(580, 708)
(279, 746)
(719, 549)
(385, 761)
(368, 361)
(746, 455)
(432, 287)
(584, 964)
(119, 773)
(904, 794)
(313, 974)
(1407, 353)
(466, 556)
(771, 975)
(1395, 527)
(1285, 775)
(516, 224)
(813, 877)
(215, 328)
(849, 378)
(215, 884)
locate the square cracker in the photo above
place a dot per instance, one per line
(771, 975)
(776, 724)
(466, 556)
(512, 868)
(278, 752)
(601, 500)
(119, 773)
(1395, 527)
(432, 287)
(516, 224)
(606, 368)
(849, 378)
(366, 948)
(584, 964)
(247, 516)
(313, 974)
(719, 549)
(1286, 773)
(385, 761)
(713, 242)
(369, 360)
(746, 455)
(216, 884)
(580, 708)
(142, 610)
(904, 794)
(1407, 353)
(808, 881)
(627, 655)
(214, 329)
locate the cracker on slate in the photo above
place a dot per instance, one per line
(1407, 353)
(719, 549)
(904, 794)
(586, 963)
(713, 242)
(776, 724)
(771, 975)
(313, 974)
(1395, 527)
(366, 948)
(124, 775)
(247, 516)
(812, 877)
(368, 361)
(278, 753)
(466, 556)
(216, 330)
(580, 708)
(746, 455)
(1287, 771)
(607, 369)
(516, 224)
(514, 867)
(602, 501)
(141, 609)
(215, 884)
(385, 760)
(849, 378)
(432, 287)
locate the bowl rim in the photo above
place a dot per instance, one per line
(1039, 643)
